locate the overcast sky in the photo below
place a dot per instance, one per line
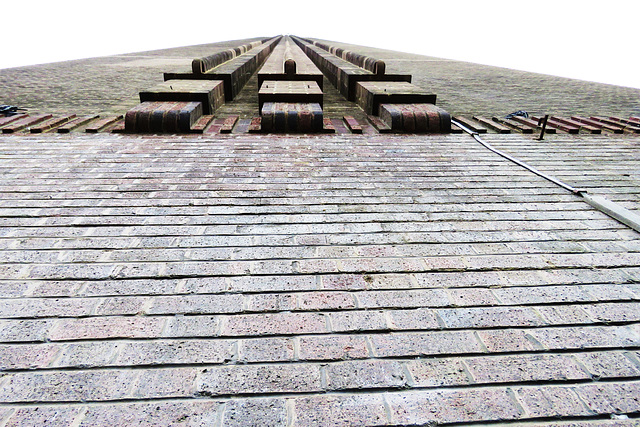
(586, 40)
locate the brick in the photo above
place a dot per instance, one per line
(435, 407)
(588, 337)
(130, 287)
(52, 123)
(614, 312)
(551, 402)
(471, 297)
(274, 324)
(564, 315)
(67, 386)
(404, 298)
(506, 340)
(365, 374)
(175, 352)
(198, 412)
(181, 326)
(25, 122)
(291, 117)
(326, 301)
(290, 92)
(346, 410)
(44, 415)
(266, 350)
(541, 294)
(86, 355)
(27, 356)
(196, 304)
(438, 372)
(421, 318)
(488, 317)
(75, 123)
(171, 117)
(102, 124)
(610, 398)
(24, 330)
(208, 92)
(272, 302)
(165, 383)
(107, 327)
(121, 306)
(424, 344)
(370, 95)
(358, 321)
(608, 364)
(257, 379)
(244, 412)
(333, 347)
(522, 368)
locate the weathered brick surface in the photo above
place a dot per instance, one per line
(325, 280)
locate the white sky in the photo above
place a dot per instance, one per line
(585, 39)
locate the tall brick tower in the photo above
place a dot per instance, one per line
(288, 231)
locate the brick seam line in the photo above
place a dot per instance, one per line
(614, 210)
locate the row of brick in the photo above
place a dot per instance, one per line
(450, 366)
(430, 309)
(41, 123)
(573, 125)
(535, 403)
(608, 284)
(185, 103)
(293, 378)
(288, 62)
(341, 73)
(374, 65)
(234, 73)
(207, 63)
